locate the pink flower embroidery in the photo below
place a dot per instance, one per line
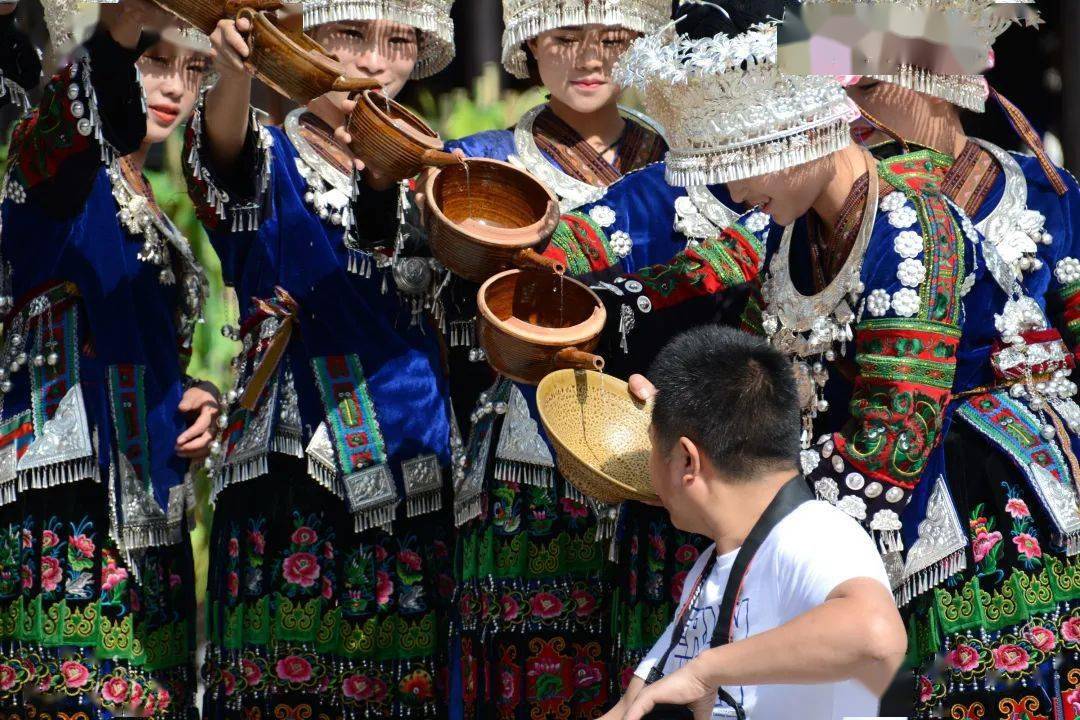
(384, 588)
(294, 669)
(51, 575)
(1017, 508)
(75, 674)
(926, 689)
(327, 588)
(328, 550)
(1070, 629)
(301, 569)
(164, 700)
(1042, 638)
(49, 540)
(545, 605)
(258, 544)
(174, 581)
(252, 673)
(234, 584)
(573, 509)
(8, 675)
(686, 554)
(27, 577)
(587, 675)
(27, 539)
(584, 603)
(510, 607)
(228, 680)
(409, 559)
(964, 658)
(380, 553)
(304, 535)
(84, 545)
(112, 575)
(234, 547)
(1027, 546)
(115, 690)
(136, 693)
(1010, 658)
(1072, 700)
(983, 543)
(356, 687)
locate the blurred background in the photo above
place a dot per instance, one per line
(1038, 69)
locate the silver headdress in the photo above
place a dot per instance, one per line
(728, 111)
(188, 37)
(976, 25)
(430, 17)
(525, 19)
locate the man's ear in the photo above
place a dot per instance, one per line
(691, 459)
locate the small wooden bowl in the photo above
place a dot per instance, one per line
(600, 433)
(533, 322)
(293, 64)
(490, 218)
(393, 141)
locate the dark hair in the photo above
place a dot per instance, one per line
(733, 395)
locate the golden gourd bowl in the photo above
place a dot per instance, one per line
(600, 433)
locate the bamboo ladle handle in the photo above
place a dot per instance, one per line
(574, 359)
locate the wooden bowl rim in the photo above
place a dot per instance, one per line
(500, 238)
(573, 335)
(175, 6)
(429, 141)
(324, 64)
(619, 387)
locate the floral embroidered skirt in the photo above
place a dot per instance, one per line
(308, 619)
(84, 634)
(1000, 639)
(533, 605)
(653, 558)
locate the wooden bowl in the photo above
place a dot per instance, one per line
(600, 433)
(293, 64)
(484, 216)
(205, 14)
(393, 141)
(533, 322)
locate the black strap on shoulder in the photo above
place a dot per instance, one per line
(793, 494)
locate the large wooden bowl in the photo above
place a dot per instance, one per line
(484, 216)
(600, 433)
(393, 141)
(293, 64)
(533, 322)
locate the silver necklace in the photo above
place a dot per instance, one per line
(329, 190)
(573, 193)
(806, 327)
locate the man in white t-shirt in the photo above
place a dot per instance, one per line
(814, 632)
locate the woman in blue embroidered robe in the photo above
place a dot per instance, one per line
(98, 420)
(329, 579)
(1028, 210)
(514, 507)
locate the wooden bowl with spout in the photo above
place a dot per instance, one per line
(393, 141)
(533, 322)
(484, 216)
(293, 64)
(600, 433)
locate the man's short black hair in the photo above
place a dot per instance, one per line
(733, 395)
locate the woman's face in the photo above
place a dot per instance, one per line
(575, 64)
(378, 49)
(785, 195)
(171, 77)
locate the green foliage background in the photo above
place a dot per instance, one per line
(459, 112)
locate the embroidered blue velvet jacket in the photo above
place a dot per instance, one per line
(106, 295)
(360, 388)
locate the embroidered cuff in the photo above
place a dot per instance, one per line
(241, 209)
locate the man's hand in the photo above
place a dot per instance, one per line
(684, 687)
(127, 19)
(230, 49)
(201, 401)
